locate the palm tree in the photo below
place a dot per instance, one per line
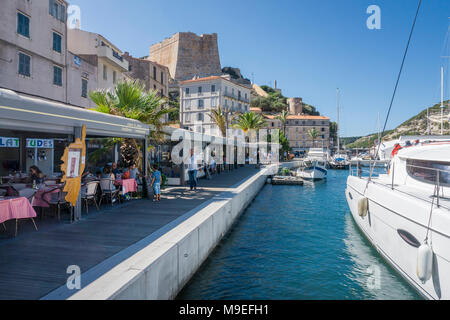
(129, 99)
(283, 117)
(249, 121)
(313, 133)
(219, 118)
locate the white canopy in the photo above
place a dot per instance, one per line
(26, 113)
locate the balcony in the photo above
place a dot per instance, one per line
(113, 57)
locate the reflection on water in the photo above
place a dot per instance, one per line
(297, 243)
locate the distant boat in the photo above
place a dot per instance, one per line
(315, 165)
(340, 161)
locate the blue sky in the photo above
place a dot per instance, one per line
(310, 47)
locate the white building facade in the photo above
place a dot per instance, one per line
(33, 45)
(98, 51)
(200, 96)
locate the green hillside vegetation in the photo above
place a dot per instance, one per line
(417, 125)
(276, 103)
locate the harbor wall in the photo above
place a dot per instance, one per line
(161, 269)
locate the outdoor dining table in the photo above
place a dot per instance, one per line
(16, 209)
(128, 185)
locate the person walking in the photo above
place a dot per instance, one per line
(193, 171)
(156, 183)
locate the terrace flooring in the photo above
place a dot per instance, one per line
(35, 262)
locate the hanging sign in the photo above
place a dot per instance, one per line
(40, 143)
(9, 142)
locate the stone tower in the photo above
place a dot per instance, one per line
(295, 106)
(188, 55)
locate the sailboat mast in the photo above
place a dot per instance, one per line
(338, 120)
(442, 100)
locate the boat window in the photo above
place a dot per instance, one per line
(426, 171)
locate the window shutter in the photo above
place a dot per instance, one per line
(63, 13)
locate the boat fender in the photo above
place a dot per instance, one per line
(424, 262)
(363, 207)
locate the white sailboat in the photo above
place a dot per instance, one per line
(339, 160)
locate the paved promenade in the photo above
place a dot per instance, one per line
(35, 263)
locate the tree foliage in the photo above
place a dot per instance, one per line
(249, 121)
(129, 99)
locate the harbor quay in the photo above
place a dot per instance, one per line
(137, 250)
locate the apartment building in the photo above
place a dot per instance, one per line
(297, 128)
(199, 96)
(82, 79)
(153, 75)
(33, 44)
(101, 53)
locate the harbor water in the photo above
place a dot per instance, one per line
(297, 243)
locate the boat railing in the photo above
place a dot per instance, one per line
(367, 168)
(437, 177)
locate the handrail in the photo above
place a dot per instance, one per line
(438, 182)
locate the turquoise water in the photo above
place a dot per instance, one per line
(297, 243)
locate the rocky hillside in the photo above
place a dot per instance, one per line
(417, 125)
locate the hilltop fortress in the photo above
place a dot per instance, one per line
(188, 55)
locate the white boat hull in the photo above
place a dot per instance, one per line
(313, 173)
(393, 222)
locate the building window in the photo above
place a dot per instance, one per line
(57, 76)
(57, 42)
(213, 88)
(199, 89)
(105, 73)
(188, 104)
(201, 103)
(24, 64)
(213, 102)
(187, 91)
(188, 117)
(200, 117)
(23, 25)
(114, 77)
(154, 73)
(84, 88)
(57, 10)
(162, 77)
(162, 92)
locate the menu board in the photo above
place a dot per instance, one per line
(73, 169)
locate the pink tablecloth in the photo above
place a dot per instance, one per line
(128, 185)
(41, 200)
(18, 208)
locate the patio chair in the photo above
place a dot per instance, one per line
(90, 194)
(109, 190)
(19, 186)
(28, 193)
(57, 199)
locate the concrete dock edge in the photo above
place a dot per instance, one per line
(159, 270)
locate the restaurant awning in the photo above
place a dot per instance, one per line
(26, 113)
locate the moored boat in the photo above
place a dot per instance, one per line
(405, 214)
